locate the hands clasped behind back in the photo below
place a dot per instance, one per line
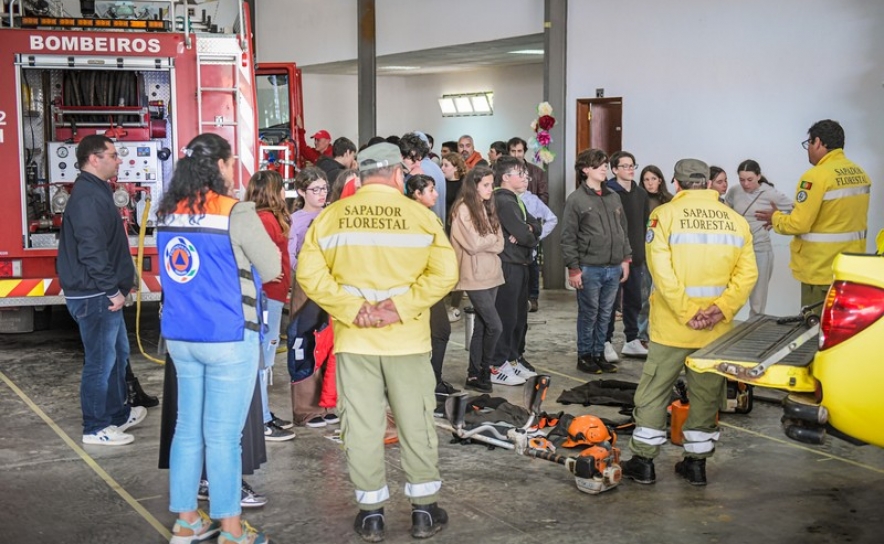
(377, 315)
(706, 319)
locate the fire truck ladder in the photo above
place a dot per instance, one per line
(211, 58)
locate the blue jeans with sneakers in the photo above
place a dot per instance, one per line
(270, 343)
(215, 385)
(106, 347)
(595, 305)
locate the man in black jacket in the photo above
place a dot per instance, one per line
(96, 273)
(521, 232)
(637, 209)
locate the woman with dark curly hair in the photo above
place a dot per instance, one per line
(214, 252)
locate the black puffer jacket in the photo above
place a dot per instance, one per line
(515, 221)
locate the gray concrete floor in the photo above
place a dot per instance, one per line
(763, 487)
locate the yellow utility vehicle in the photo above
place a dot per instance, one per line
(832, 367)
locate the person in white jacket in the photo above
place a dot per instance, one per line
(752, 194)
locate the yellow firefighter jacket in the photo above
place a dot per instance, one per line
(375, 245)
(699, 253)
(830, 217)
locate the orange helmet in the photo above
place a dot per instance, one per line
(586, 430)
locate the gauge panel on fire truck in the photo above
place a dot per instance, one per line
(140, 162)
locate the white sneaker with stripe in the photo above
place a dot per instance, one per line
(505, 374)
(521, 370)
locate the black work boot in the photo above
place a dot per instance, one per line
(587, 363)
(369, 525)
(427, 520)
(603, 363)
(640, 469)
(137, 397)
(692, 469)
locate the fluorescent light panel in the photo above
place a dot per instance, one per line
(447, 106)
(467, 104)
(527, 52)
(463, 104)
(480, 104)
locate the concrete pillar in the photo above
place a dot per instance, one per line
(367, 70)
(555, 35)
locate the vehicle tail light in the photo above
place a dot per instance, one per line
(850, 308)
(10, 268)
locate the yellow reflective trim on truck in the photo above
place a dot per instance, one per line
(22, 288)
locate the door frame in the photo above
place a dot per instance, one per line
(584, 106)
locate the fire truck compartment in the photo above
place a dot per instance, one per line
(784, 343)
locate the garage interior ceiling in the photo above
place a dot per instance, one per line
(451, 58)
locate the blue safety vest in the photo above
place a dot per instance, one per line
(202, 297)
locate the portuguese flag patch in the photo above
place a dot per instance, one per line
(806, 185)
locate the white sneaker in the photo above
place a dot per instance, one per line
(453, 315)
(635, 348)
(136, 416)
(521, 370)
(109, 436)
(610, 353)
(505, 375)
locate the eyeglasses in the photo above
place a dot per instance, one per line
(520, 173)
(318, 190)
(627, 166)
(806, 143)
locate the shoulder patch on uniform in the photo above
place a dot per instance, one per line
(805, 185)
(649, 236)
(652, 223)
(801, 196)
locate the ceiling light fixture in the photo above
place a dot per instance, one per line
(399, 68)
(527, 52)
(467, 104)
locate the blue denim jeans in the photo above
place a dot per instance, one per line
(215, 385)
(269, 345)
(595, 305)
(106, 347)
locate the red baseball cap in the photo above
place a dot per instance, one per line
(322, 134)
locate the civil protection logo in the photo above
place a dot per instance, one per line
(181, 259)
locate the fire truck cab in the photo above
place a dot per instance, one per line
(151, 79)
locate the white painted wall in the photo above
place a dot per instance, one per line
(330, 103)
(724, 81)
(517, 91)
(314, 32)
(408, 103)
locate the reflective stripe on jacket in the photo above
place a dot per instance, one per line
(699, 253)
(374, 245)
(830, 217)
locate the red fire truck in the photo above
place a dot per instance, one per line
(151, 85)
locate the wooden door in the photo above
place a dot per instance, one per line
(599, 124)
